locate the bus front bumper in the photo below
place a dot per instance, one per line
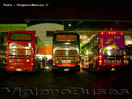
(111, 68)
(20, 69)
(66, 68)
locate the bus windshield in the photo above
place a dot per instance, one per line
(111, 44)
(20, 52)
(20, 37)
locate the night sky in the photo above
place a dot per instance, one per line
(66, 9)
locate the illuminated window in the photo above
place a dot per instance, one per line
(66, 38)
(20, 37)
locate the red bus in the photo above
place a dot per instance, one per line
(108, 52)
(66, 51)
(20, 52)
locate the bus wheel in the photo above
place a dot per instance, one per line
(2, 65)
(77, 70)
(90, 69)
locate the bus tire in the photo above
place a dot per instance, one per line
(55, 70)
(77, 69)
(91, 69)
(2, 65)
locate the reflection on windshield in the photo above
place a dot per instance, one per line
(20, 52)
(112, 52)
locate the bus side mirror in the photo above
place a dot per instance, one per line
(36, 40)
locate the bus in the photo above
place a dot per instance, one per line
(66, 51)
(20, 52)
(108, 52)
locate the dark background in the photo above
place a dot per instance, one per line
(71, 9)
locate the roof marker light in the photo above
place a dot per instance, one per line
(114, 32)
(121, 33)
(102, 32)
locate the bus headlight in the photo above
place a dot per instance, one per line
(27, 60)
(31, 64)
(10, 60)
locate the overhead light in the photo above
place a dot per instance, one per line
(83, 37)
(69, 25)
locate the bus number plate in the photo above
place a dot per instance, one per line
(19, 60)
(66, 61)
(66, 69)
(112, 61)
(18, 69)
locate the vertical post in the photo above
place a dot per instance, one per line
(0, 36)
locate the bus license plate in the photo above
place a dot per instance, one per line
(18, 69)
(66, 61)
(113, 69)
(66, 69)
(112, 61)
(19, 60)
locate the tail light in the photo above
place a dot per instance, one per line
(7, 58)
(100, 56)
(10, 60)
(102, 32)
(100, 59)
(124, 59)
(122, 33)
(32, 59)
(114, 32)
(78, 59)
(53, 59)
